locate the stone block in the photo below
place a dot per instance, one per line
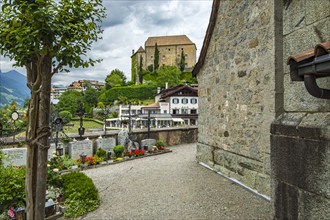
(293, 16)
(15, 156)
(204, 153)
(78, 147)
(148, 142)
(302, 162)
(315, 207)
(317, 10)
(106, 144)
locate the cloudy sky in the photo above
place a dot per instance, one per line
(128, 25)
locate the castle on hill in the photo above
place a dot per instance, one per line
(170, 50)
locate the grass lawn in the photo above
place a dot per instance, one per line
(87, 125)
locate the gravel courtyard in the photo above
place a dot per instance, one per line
(171, 186)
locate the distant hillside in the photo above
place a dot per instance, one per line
(13, 87)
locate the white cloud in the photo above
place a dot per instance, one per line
(128, 24)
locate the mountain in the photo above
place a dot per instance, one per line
(13, 87)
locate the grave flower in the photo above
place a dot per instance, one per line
(139, 153)
(128, 154)
(11, 213)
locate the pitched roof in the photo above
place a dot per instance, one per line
(168, 40)
(168, 92)
(207, 39)
(153, 105)
(140, 50)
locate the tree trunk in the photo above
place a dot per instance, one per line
(38, 138)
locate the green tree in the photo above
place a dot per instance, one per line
(70, 101)
(169, 74)
(182, 63)
(115, 78)
(156, 60)
(45, 37)
(90, 98)
(141, 70)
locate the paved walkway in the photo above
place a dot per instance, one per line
(171, 186)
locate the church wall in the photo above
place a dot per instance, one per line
(237, 93)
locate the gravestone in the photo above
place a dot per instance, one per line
(148, 142)
(123, 138)
(16, 156)
(106, 144)
(78, 147)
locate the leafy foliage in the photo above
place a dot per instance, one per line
(101, 153)
(115, 78)
(70, 101)
(118, 150)
(140, 92)
(169, 74)
(80, 193)
(156, 60)
(12, 190)
(182, 63)
(63, 29)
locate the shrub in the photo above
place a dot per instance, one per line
(80, 193)
(101, 153)
(12, 190)
(66, 116)
(118, 150)
(160, 143)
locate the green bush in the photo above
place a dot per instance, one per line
(66, 116)
(101, 153)
(80, 193)
(160, 143)
(12, 190)
(118, 150)
(140, 92)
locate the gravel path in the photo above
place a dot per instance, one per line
(171, 186)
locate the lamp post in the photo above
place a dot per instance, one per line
(58, 126)
(14, 116)
(80, 113)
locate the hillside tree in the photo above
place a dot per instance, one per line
(115, 78)
(168, 74)
(156, 58)
(140, 73)
(182, 63)
(45, 37)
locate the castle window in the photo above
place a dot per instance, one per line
(169, 49)
(184, 101)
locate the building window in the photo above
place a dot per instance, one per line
(165, 111)
(151, 57)
(184, 101)
(175, 111)
(169, 49)
(193, 101)
(184, 111)
(193, 111)
(175, 101)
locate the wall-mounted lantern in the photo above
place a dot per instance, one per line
(309, 65)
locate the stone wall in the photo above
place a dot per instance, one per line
(300, 138)
(237, 93)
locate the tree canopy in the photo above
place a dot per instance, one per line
(115, 78)
(70, 101)
(63, 29)
(46, 36)
(169, 74)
